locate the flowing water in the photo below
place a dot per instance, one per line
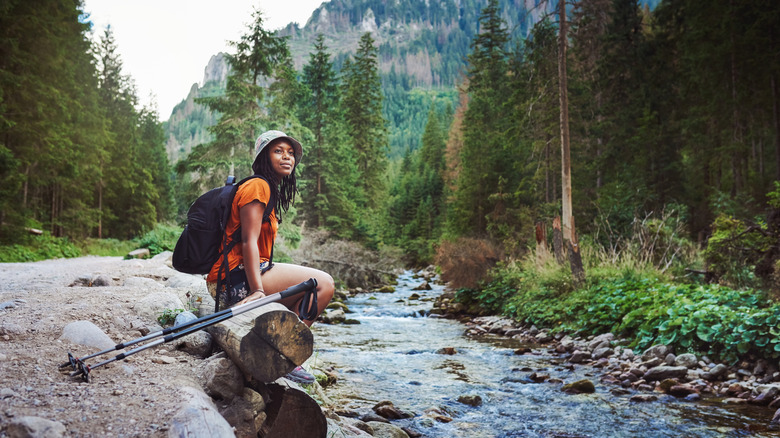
(392, 355)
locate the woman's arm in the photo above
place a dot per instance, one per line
(251, 216)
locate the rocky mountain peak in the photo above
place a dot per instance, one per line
(216, 70)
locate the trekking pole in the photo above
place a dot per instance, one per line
(176, 332)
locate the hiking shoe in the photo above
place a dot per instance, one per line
(299, 375)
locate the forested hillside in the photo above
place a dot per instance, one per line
(78, 157)
(673, 116)
(423, 49)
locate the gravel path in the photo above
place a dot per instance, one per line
(134, 397)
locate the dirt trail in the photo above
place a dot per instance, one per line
(134, 397)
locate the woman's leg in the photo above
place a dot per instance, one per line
(284, 275)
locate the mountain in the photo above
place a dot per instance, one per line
(423, 47)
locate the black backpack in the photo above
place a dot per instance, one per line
(197, 249)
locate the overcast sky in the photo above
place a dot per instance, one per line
(165, 44)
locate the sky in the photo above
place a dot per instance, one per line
(164, 45)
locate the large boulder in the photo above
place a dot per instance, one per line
(153, 305)
(88, 334)
(665, 372)
(36, 427)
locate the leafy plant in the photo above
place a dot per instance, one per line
(168, 316)
(161, 238)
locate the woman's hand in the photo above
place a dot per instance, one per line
(256, 295)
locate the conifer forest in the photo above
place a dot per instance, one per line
(668, 119)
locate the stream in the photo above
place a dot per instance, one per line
(393, 355)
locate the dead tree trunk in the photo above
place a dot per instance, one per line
(558, 241)
(575, 258)
(265, 343)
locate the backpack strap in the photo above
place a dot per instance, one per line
(224, 269)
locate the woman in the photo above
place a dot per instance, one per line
(276, 157)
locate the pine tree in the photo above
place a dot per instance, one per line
(333, 191)
(364, 120)
(258, 52)
(484, 157)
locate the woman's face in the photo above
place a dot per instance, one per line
(282, 157)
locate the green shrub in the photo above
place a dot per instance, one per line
(38, 247)
(161, 238)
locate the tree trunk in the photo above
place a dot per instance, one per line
(558, 241)
(575, 258)
(564, 101)
(291, 413)
(265, 343)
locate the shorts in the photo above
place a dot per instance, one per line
(238, 291)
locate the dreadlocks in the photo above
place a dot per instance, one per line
(284, 190)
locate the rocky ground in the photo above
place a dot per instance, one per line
(89, 304)
(136, 397)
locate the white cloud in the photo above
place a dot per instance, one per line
(164, 45)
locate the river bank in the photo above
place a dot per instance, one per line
(750, 386)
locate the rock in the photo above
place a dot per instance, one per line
(471, 400)
(627, 354)
(775, 423)
(198, 417)
(34, 427)
(599, 340)
(669, 359)
(652, 363)
(716, 372)
(7, 393)
(335, 316)
(387, 410)
(153, 305)
(184, 317)
(686, 360)
(197, 344)
(371, 417)
(101, 281)
(222, 379)
(656, 351)
(386, 289)
(665, 372)
(386, 430)
(342, 428)
(424, 286)
(241, 415)
(602, 352)
(447, 350)
(642, 398)
(88, 334)
(164, 360)
(583, 386)
(579, 357)
(543, 337)
(682, 391)
(766, 393)
(667, 384)
(11, 329)
(140, 253)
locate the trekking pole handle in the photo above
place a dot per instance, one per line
(298, 288)
(290, 291)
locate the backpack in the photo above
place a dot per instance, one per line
(197, 249)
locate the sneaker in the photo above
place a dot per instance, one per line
(299, 375)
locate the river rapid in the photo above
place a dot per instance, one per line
(396, 354)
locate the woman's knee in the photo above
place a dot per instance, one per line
(326, 285)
